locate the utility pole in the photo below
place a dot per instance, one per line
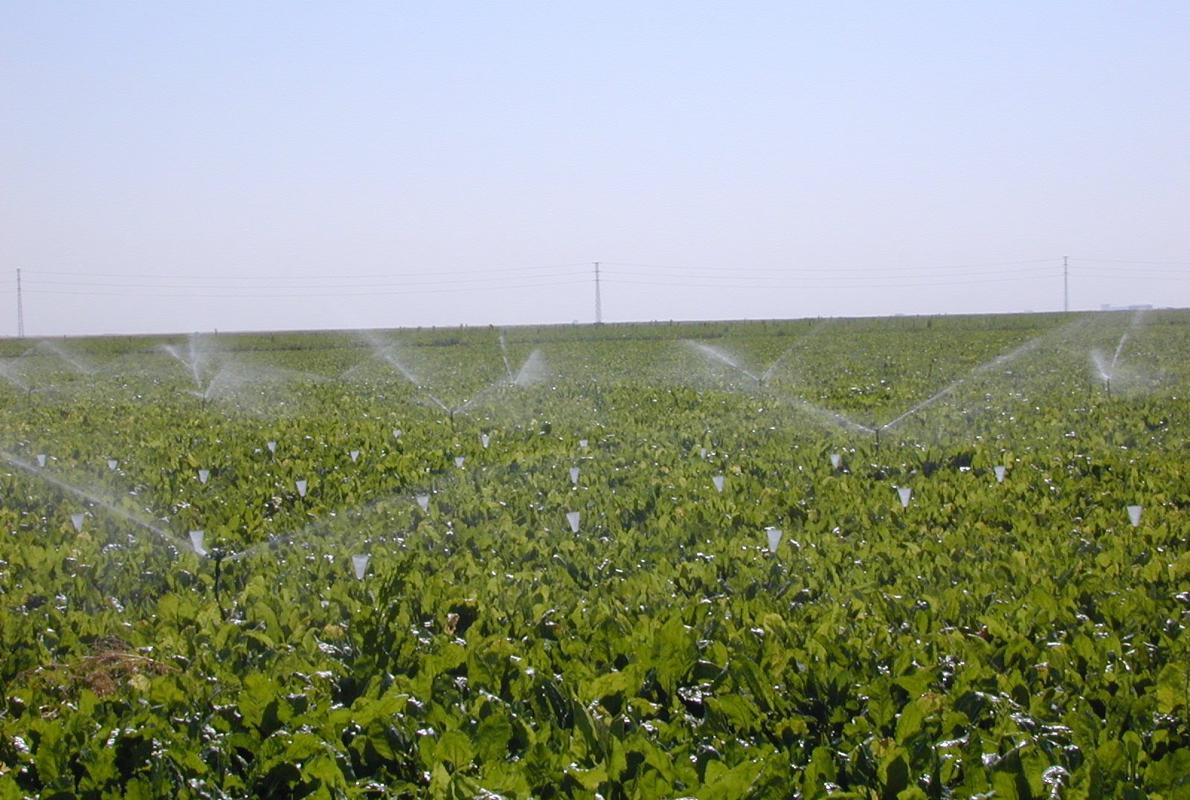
(1065, 283)
(20, 308)
(598, 301)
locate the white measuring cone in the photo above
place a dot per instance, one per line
(572, 517)
(204, 475)
(423, 500)
(354, 456)
(397, 433)
(1134, 515)
(196, 542)
(702, 452)
(360, 565)
(485, 440)
(774, 538)
(582, 443)
(836, 460)
(77, 521)
(904, 492)
(718, 480)
(1000, 473)
(574, 475)
(41, 459)
(272, 447)
(301, 487)
(112, 464)
(459, 461)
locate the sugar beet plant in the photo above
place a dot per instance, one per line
(911, 558)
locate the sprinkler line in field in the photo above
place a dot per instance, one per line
(999, 361)
(84, 494)
(528, 373)
(802, 403)
(504, 355)
(716, 354)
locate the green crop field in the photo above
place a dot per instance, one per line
(899, 558)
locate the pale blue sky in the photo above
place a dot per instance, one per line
(303, 165)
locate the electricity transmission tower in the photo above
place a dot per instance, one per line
(598, 300)
(20, 308)
(1065, 283)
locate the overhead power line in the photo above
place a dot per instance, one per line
(240, 276)
(820, 285)
(1182, 264)
(407, 281)
(835, 270)
(864, 279)
(266, 295)
(1161, 276)
(323, 284)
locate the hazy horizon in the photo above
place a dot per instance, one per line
(244, 167)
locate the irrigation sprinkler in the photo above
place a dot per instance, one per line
(217, 555)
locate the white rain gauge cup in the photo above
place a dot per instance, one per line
(423, 500)
(773, 535)
(572, 517)
(574, 476)
(582, 443)
(1134, 515)
(77, 521)
(360, 565)
(836, 460)
(904, 492)
(354, 456)
(301, 487)
(459, 461)
(196, 542)
(41, 459)
(485, 440)
(718, 481)
(272, 447)
(1000, 473)
(112, 464)
(204, 475)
